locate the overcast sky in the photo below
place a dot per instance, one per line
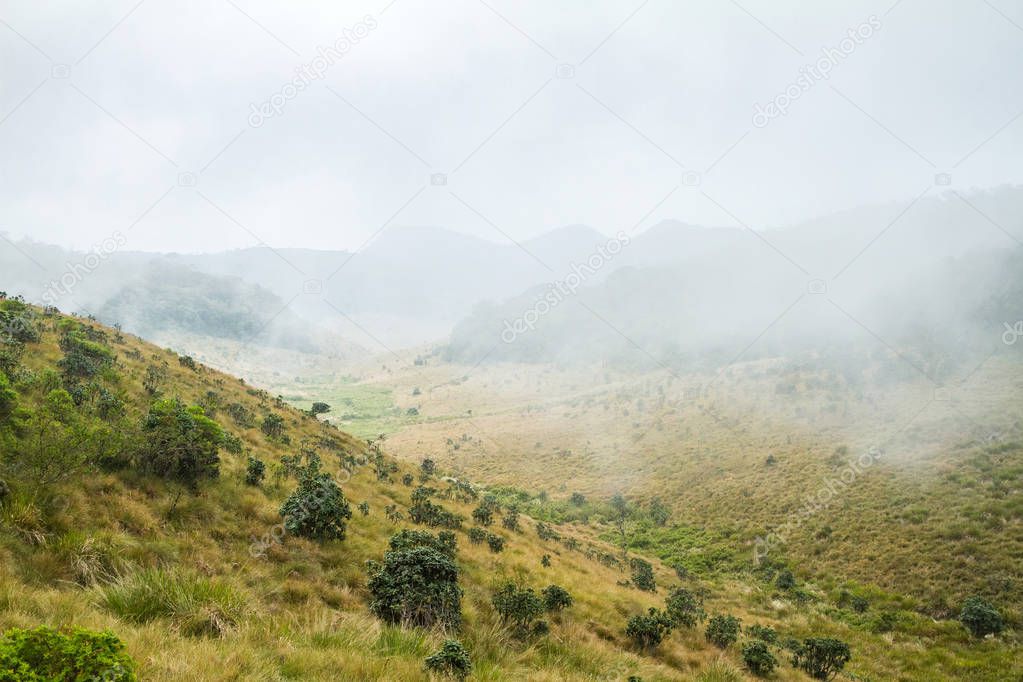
(110, 111)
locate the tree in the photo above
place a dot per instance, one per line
(722, 631)
(495, 543)
(764, 633)
(556, 598)
(511, 519)
(451, 660)
(980, 617)
(758, 658)
(319, 408)
(649, 630)
(659, 512)
(477, 536)
(785, 580)
(621, 519)
(273, 425)
(426, 469)
(180, 443)
(255, 470)
(416, 585)
(317, 509)
(643, 575)
(577, 499)
(821, 657)
(684, 608)
(84, 357)
(518, 606)
(483, 515)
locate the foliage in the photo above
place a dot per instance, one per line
(425, 511)
(511, 519)
(722, 631)
(785, 580)
(980, 617)
(684, 608)
(451, 660)
(658, 512)
(317, 509)
(84, 357)
(427, 468)
(556, 598)
(495, 543)
(319, 408)
(758, 658)
(180, 443)
(763, 633)
(416, 585)
(518, 606)
(477, 536)
(821, 657)
(647, 631)
(643, 575)
(273, 426)
(483, 515)
(255, 471)
(364, 508)
(44, 654)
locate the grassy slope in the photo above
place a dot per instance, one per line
(303, 613)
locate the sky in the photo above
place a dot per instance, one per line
(174, 124)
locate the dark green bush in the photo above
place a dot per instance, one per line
(483, 515)
(255, 471)
(763, 633)
(980, 617)
(84, 357)
(477, 536)
(451, 660)
(43, 654)
(180, 443)
(556, 598)
(416, 585)
(722, 631)
(643, 575)
(519, 606)
(317, 509)
(758, 658)
(785, 580)
(273, 426)
(821, 657)
(649, 630)
(684, 608)
(495, 543)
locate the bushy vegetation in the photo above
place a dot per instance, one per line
(980, 617)
(519, 607)
(451, 660)
(758, 658)
(180, 444)
(647, 631)
(44, 654)
(821, 658)
(318, 509)
(722, 631)
(417, 582)
(684, 608)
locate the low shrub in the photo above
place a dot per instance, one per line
(44, 654)
(451, 660)
(758, 658)
(722, 631)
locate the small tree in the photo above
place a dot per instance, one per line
(255, 471)
(785, 580)
(495, 543)
(821, 657)
(556, 598)
(477, 536)
(518, 606)
(980, 617)
(722, 631)
(451, 660)
(659, 512)
(649, 630)
(758, 658)
(426, 469)
(416, 585)
(643, 575)
(483, 515)
(621, 518)
(273, 425)
(684, 608)
(319, 408)
(180, 443)
(317, 509)
(511, 519)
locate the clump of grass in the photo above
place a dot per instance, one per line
(719, 671)
(196, 606)
(90, 559)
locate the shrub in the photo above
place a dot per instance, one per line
(495, 543)
(83, 357)
(364, 508)
(648, 631)
(511, 519)
(763, 633)
(42, 654)
(477, 536)
(980, 617)
(556, 598)
(518, 606)
(273, 426)
(189, 362)
(427, 468)
(722, 631)
(255, 471)
(758, 658)
(319, 408)
(483, 515)
(196, 606)
(684, 608)
(408, 479)
(233, 444)
(180, 443)
(416, 585)
(785, 580)
(317, 509)
(8, 399)
(643, 575)
(821, 657)
(545, 561)
(451, 660)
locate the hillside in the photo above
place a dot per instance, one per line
(193, 581)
